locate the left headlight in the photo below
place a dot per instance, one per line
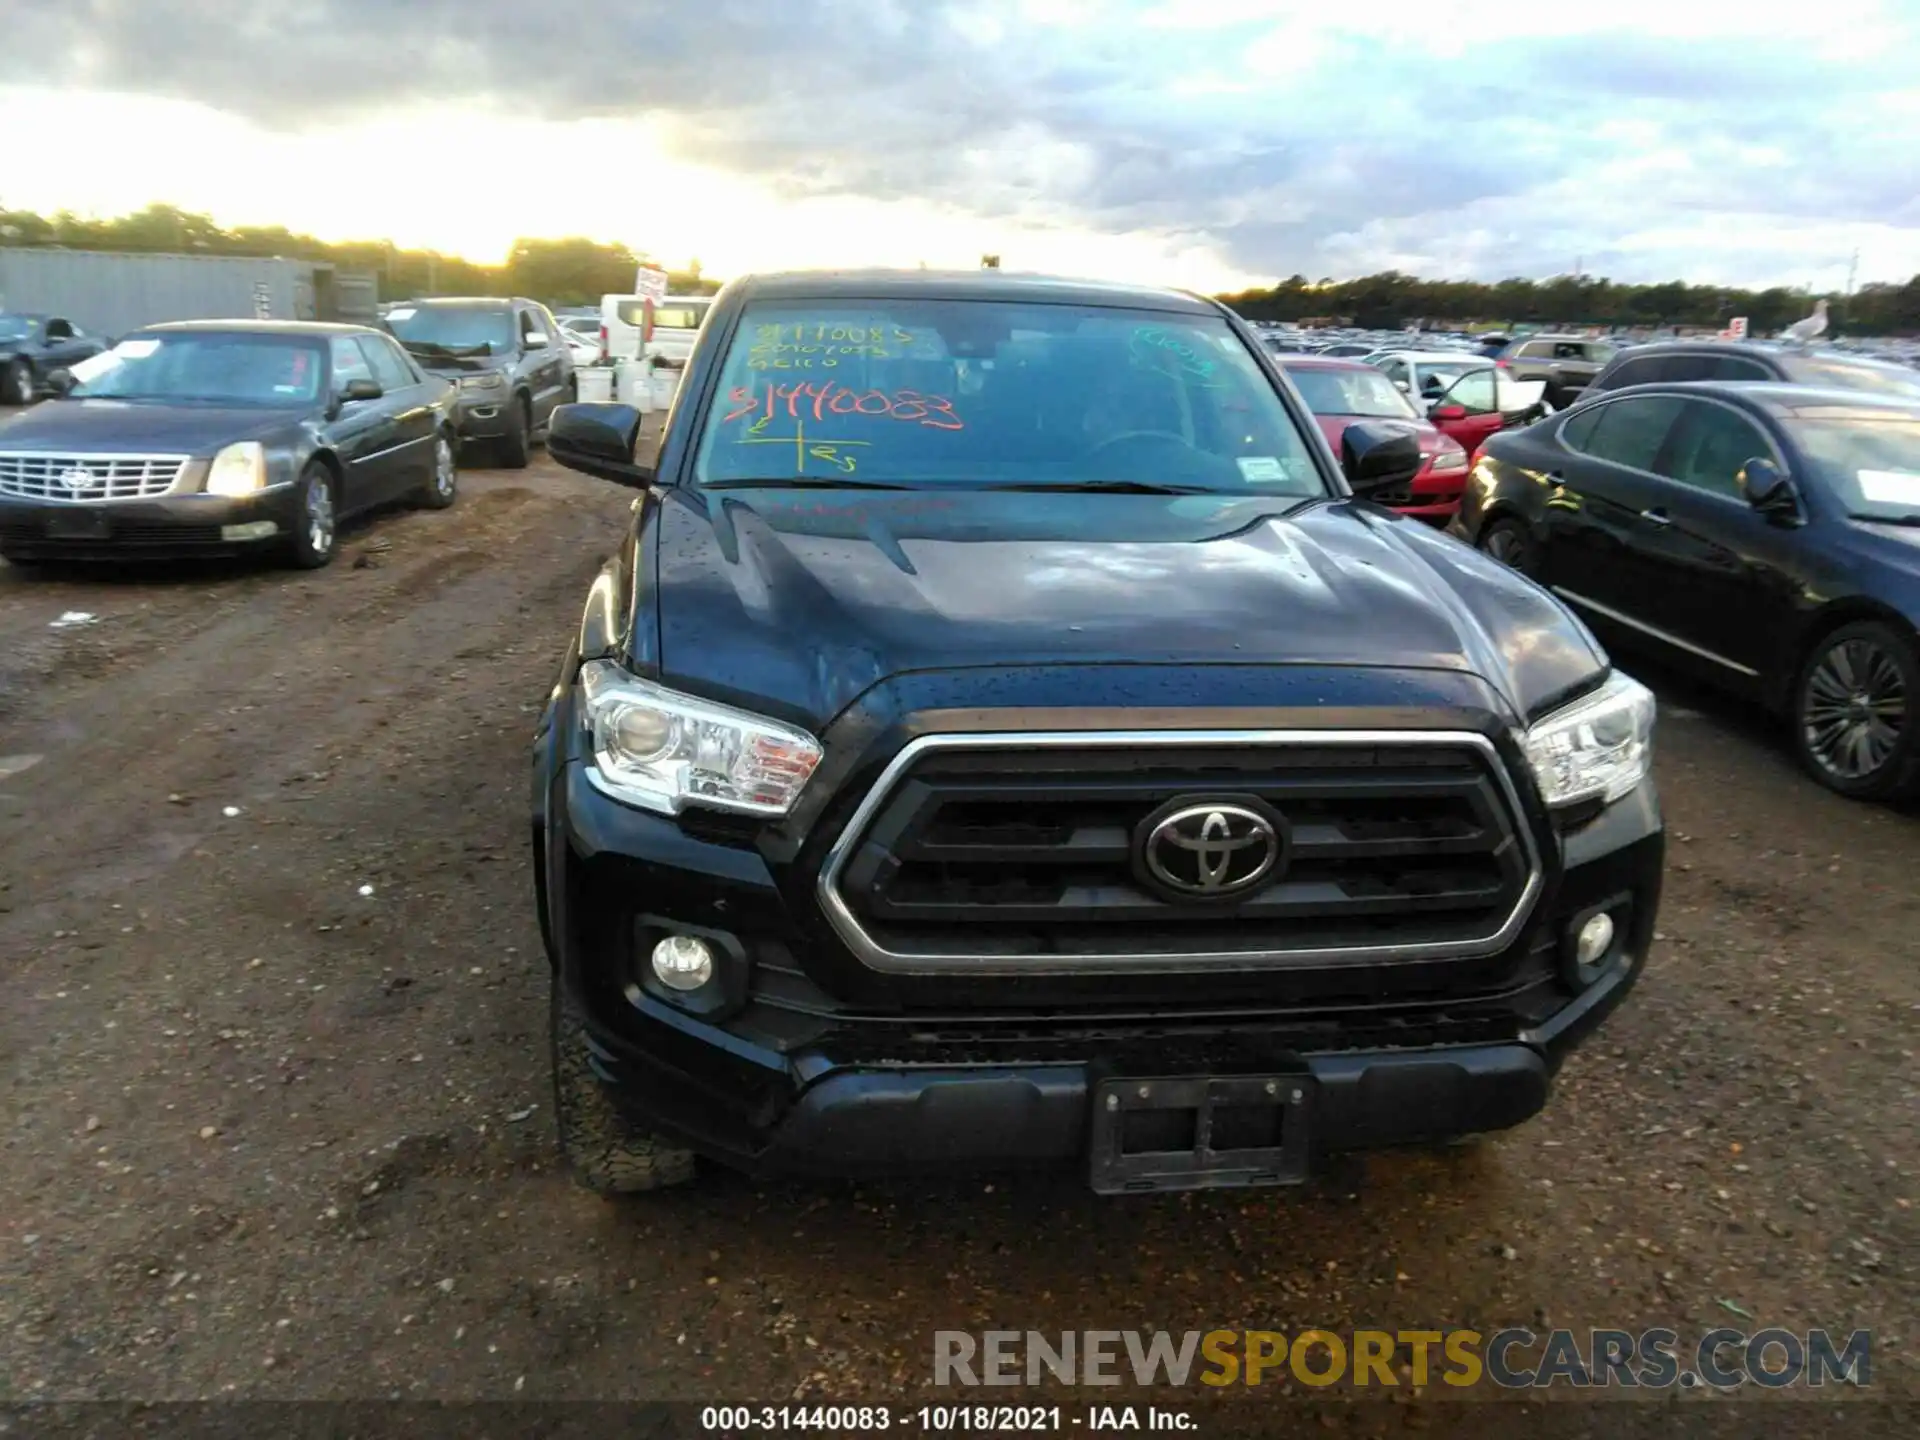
(1599, 747)
(490, 380)
(238, 470)
(662, 750)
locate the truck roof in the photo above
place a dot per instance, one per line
(968, 285)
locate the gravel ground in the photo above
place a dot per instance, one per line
(277, 1124)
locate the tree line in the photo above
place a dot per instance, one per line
(1391, 300)
(570, 271)
(576, 271)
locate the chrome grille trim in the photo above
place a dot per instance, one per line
(877, 957)
(44, 475)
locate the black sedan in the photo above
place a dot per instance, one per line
(32, 347)
(214, 437)
(1763, 536)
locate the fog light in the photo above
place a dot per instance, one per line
(684, 963)
(1594, 940)
(252, 530)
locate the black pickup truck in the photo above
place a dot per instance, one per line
(1006, 735)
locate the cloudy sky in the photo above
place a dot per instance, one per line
(1207, 143)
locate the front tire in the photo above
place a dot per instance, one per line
(443, 483)
(16, 383)
(605, 1151)
(1509, 541)
(1852, 727)
(516, 446)
(316, 525)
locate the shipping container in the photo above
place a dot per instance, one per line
(110, 292)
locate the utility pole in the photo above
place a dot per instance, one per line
(1853, 269)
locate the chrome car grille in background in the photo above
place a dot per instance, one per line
(33, 476)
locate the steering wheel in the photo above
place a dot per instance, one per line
(1125, 435)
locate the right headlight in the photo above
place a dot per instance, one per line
(664, 750)
(1599, 747)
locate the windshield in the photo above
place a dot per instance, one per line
(15, 327)
(1878, 379)
(972, 393)
(1871, 461)
(453, 329)
(207, 367)
(1350, 392)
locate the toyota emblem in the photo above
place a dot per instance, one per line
(1211, 849)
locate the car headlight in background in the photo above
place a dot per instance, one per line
(662, 750)
(1449, 462)
(1597, 748)
(492, 380)
(238, 470)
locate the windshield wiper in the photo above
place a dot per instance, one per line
(1887, 519)
(803, 482)
(1110, 487)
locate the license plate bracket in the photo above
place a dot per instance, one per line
(1199, 1132)
(79, 523)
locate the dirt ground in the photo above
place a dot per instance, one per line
(276, 1117)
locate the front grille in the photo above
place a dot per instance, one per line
(121, 538)
(88, 477)
(1022, 853)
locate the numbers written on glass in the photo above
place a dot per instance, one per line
(801, 347)
(768, 401)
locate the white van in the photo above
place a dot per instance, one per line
(676, 324)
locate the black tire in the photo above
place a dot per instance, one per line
(516, 446)
(1510, 542)
(316, 518)
(442, 485)
(1853, 727)
(16, 383)
(602, 1148)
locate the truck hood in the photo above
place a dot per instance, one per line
(140, 426)
(795, 602)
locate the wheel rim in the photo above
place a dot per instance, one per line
(319, 516)
(1507, 545)
(443, 469)
(1855, 709)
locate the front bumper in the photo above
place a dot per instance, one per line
(785, 1078)
(483, 415)
(165, 527)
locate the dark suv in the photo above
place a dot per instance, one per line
(1567, 364)
(508, 357)
(1007, 736)
(1676, 361)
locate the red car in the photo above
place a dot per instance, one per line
(1338, 392)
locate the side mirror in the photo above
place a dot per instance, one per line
(61, 382)
(535, 341)
(1767, 487)
(1404, 387)
(599, 439)
(1444, 411)
(361, 390)
(1376, 456)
